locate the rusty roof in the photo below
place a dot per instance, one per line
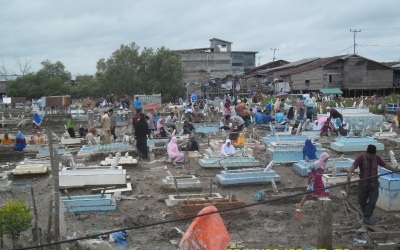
(316, 64)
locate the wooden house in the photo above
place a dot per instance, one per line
(353, 74)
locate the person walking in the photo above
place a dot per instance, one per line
(106, 124)
(314, 181)
(70, 126)
(368, 185)
(113, 123)
(141, 132)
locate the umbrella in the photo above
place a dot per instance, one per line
(281, 95)
(151, 106)
(322, 120)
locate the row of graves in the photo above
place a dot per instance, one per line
(105, 167)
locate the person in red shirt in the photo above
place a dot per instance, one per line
(368, 186)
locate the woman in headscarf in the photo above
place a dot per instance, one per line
(227, 149)
(159, 126)
(20, 142)
(227, 107)
(37, 121)
(174, 154)
(141, 131)
(314, 182)
(309, 151)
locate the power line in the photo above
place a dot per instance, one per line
(377, 45)
(354, 36)
(196, 216)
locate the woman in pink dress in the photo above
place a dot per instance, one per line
(314, 181)
(174, 154)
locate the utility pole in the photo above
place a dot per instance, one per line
(354, 38)
(273, 58)
(259, 57)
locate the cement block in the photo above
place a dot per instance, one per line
(124, 160)
(71, 141)
(284, 138)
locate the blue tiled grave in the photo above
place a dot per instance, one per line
(248, 176)
(352, 144)
(289, 152)
(340, 165)
(389, 191)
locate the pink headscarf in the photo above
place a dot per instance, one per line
(159, 125)
(172, 147)
(321, 160)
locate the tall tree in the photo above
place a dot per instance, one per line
(129, 72)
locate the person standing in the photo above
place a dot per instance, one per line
(138, 105)
(70, 126)
(106, 124)
(113, 123)
(141, 132)
(310, 103)
(368, 189)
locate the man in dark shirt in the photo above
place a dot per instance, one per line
(368, 189)
(333, 113)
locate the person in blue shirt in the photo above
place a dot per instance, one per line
(138, 105)
(259, 117)
(279, 117)
(267, 118)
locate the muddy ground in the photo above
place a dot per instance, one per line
(270, 225)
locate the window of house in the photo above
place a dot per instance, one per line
(330, 78)
(307, 82)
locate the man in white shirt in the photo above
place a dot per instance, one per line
(227, 149)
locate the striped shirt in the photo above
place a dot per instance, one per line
(368, 169)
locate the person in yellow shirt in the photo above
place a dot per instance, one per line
(6, 139)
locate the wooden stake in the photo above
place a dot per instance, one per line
(35, 217)
(325, 224)
(210, 187)
(50, 219)
(54, 159)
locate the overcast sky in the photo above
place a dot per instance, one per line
(80, 32)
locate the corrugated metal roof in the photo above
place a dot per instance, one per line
(332, 91)
(316, 64)
(292, 64)
(212, 39)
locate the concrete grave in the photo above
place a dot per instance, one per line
(389, 191)
(30, 169)
(353, 144)
(92, 177)
(248, 176)
(339, 165)
(333, 179)
(228, 162)
(289, 152)
(86, 203)
(190, 182)
(87, 150)
(124, 160)
(174, 199)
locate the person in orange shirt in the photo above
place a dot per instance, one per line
(6, 139)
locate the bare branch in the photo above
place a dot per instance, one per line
(3, 71)
(24, 66)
